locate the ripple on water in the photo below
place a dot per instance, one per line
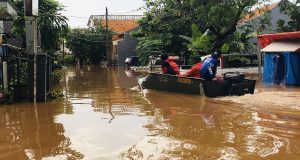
(281, 101)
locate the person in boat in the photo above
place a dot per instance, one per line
(209, 67)
(168, 65)
(195, 70)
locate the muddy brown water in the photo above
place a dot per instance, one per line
(104, 115)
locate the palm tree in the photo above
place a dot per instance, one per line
(52, 25)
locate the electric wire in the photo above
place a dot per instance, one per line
(135, 10)
(89, 40)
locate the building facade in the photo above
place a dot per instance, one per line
(270, 14)
(121, 45)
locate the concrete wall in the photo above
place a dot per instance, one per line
(275, 15)
(9, 9)
(126, 48)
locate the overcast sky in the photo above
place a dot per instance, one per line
(78, 12)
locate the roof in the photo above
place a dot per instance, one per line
(258, 12)
(119, 26)
(283, 46)
(266, 39)
(118, 23)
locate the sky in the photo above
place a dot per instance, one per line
(78, 12)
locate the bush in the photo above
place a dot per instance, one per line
(7, 96)
(56, 93)
(69, 59)
(56, 76)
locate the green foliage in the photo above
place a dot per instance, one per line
(145, 47)
(56, 76)
(56, 93)
(214, 23)
(51, 24)
(225, 48)
(69, 59)
(240, 41)
(238, 61)
(89, 45)
(292, 9)
(7, 95)
(199, 41)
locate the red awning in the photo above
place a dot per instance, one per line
(266, 39)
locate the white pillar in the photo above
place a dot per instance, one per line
(5, 78)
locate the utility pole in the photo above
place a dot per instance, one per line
(106, 20)
(108, 55)
(35, 56)
(36, 75)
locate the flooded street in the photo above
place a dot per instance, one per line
(105, 115)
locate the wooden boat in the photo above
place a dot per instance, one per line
(198, 86)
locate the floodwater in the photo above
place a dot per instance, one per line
(104, 115)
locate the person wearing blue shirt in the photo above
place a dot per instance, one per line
(209, 66)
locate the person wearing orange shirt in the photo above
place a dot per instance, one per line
(195, 70)
(168, 65)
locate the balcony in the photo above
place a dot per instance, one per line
(7, 10)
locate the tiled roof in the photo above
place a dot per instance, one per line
(119, 26)
(258, 12)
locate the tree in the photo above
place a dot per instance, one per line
(145, 48)
(199, 42)
(293, 11)
(88, 45)
(51, 24)
(167, 20)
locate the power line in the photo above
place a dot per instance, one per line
(135, 10)
(79, 17)
(89, 40)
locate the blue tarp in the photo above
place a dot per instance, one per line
(290, 68)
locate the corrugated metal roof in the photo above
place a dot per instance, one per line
(266, 39)
(283, 46)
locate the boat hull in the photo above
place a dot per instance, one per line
(198, 86)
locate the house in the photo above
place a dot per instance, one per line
(255, 18)
(7, 11)
(269, 13)
(281, 58)
(122, 44)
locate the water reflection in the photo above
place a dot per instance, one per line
(106, 116)
(192, 127)
(30, 132)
